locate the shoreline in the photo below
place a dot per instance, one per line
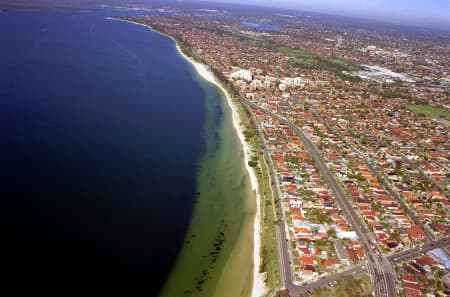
(258, 286)
(258, 289)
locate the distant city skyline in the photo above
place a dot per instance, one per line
(419, 12)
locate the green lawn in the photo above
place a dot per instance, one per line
(312, 61)
(304, 59)
(269, 248)
(431, 112)
(348, 286)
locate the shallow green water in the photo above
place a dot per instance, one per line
(217, 256)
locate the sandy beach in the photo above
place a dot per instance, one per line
(259, 288)
(258, 281)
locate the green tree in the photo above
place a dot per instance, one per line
(331, 233)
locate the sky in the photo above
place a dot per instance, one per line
(418, 12)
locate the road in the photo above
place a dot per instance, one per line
(386, 185)
(379, 267)
(415, 252)
(282, 242)
(429, 234)
(390, 140)
(297, 290)
(363, 267)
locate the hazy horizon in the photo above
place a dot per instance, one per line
(434, 13)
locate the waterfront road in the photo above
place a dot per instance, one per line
(283, 254)
(282, 242)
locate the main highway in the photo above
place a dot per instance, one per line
(430, 236)
(363, 267)
(386, 185)
(378, 266)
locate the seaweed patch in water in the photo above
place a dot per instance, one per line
(219, 240)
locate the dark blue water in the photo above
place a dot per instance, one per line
(251, 24)
(101, 130)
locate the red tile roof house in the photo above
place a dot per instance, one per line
(306, 260)
(331, 263)
(301, 232)
(351, 253)
(385, 200)
(415, 233)
(412, 293)
(303, 251)
(411, 286)
(360, 252)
